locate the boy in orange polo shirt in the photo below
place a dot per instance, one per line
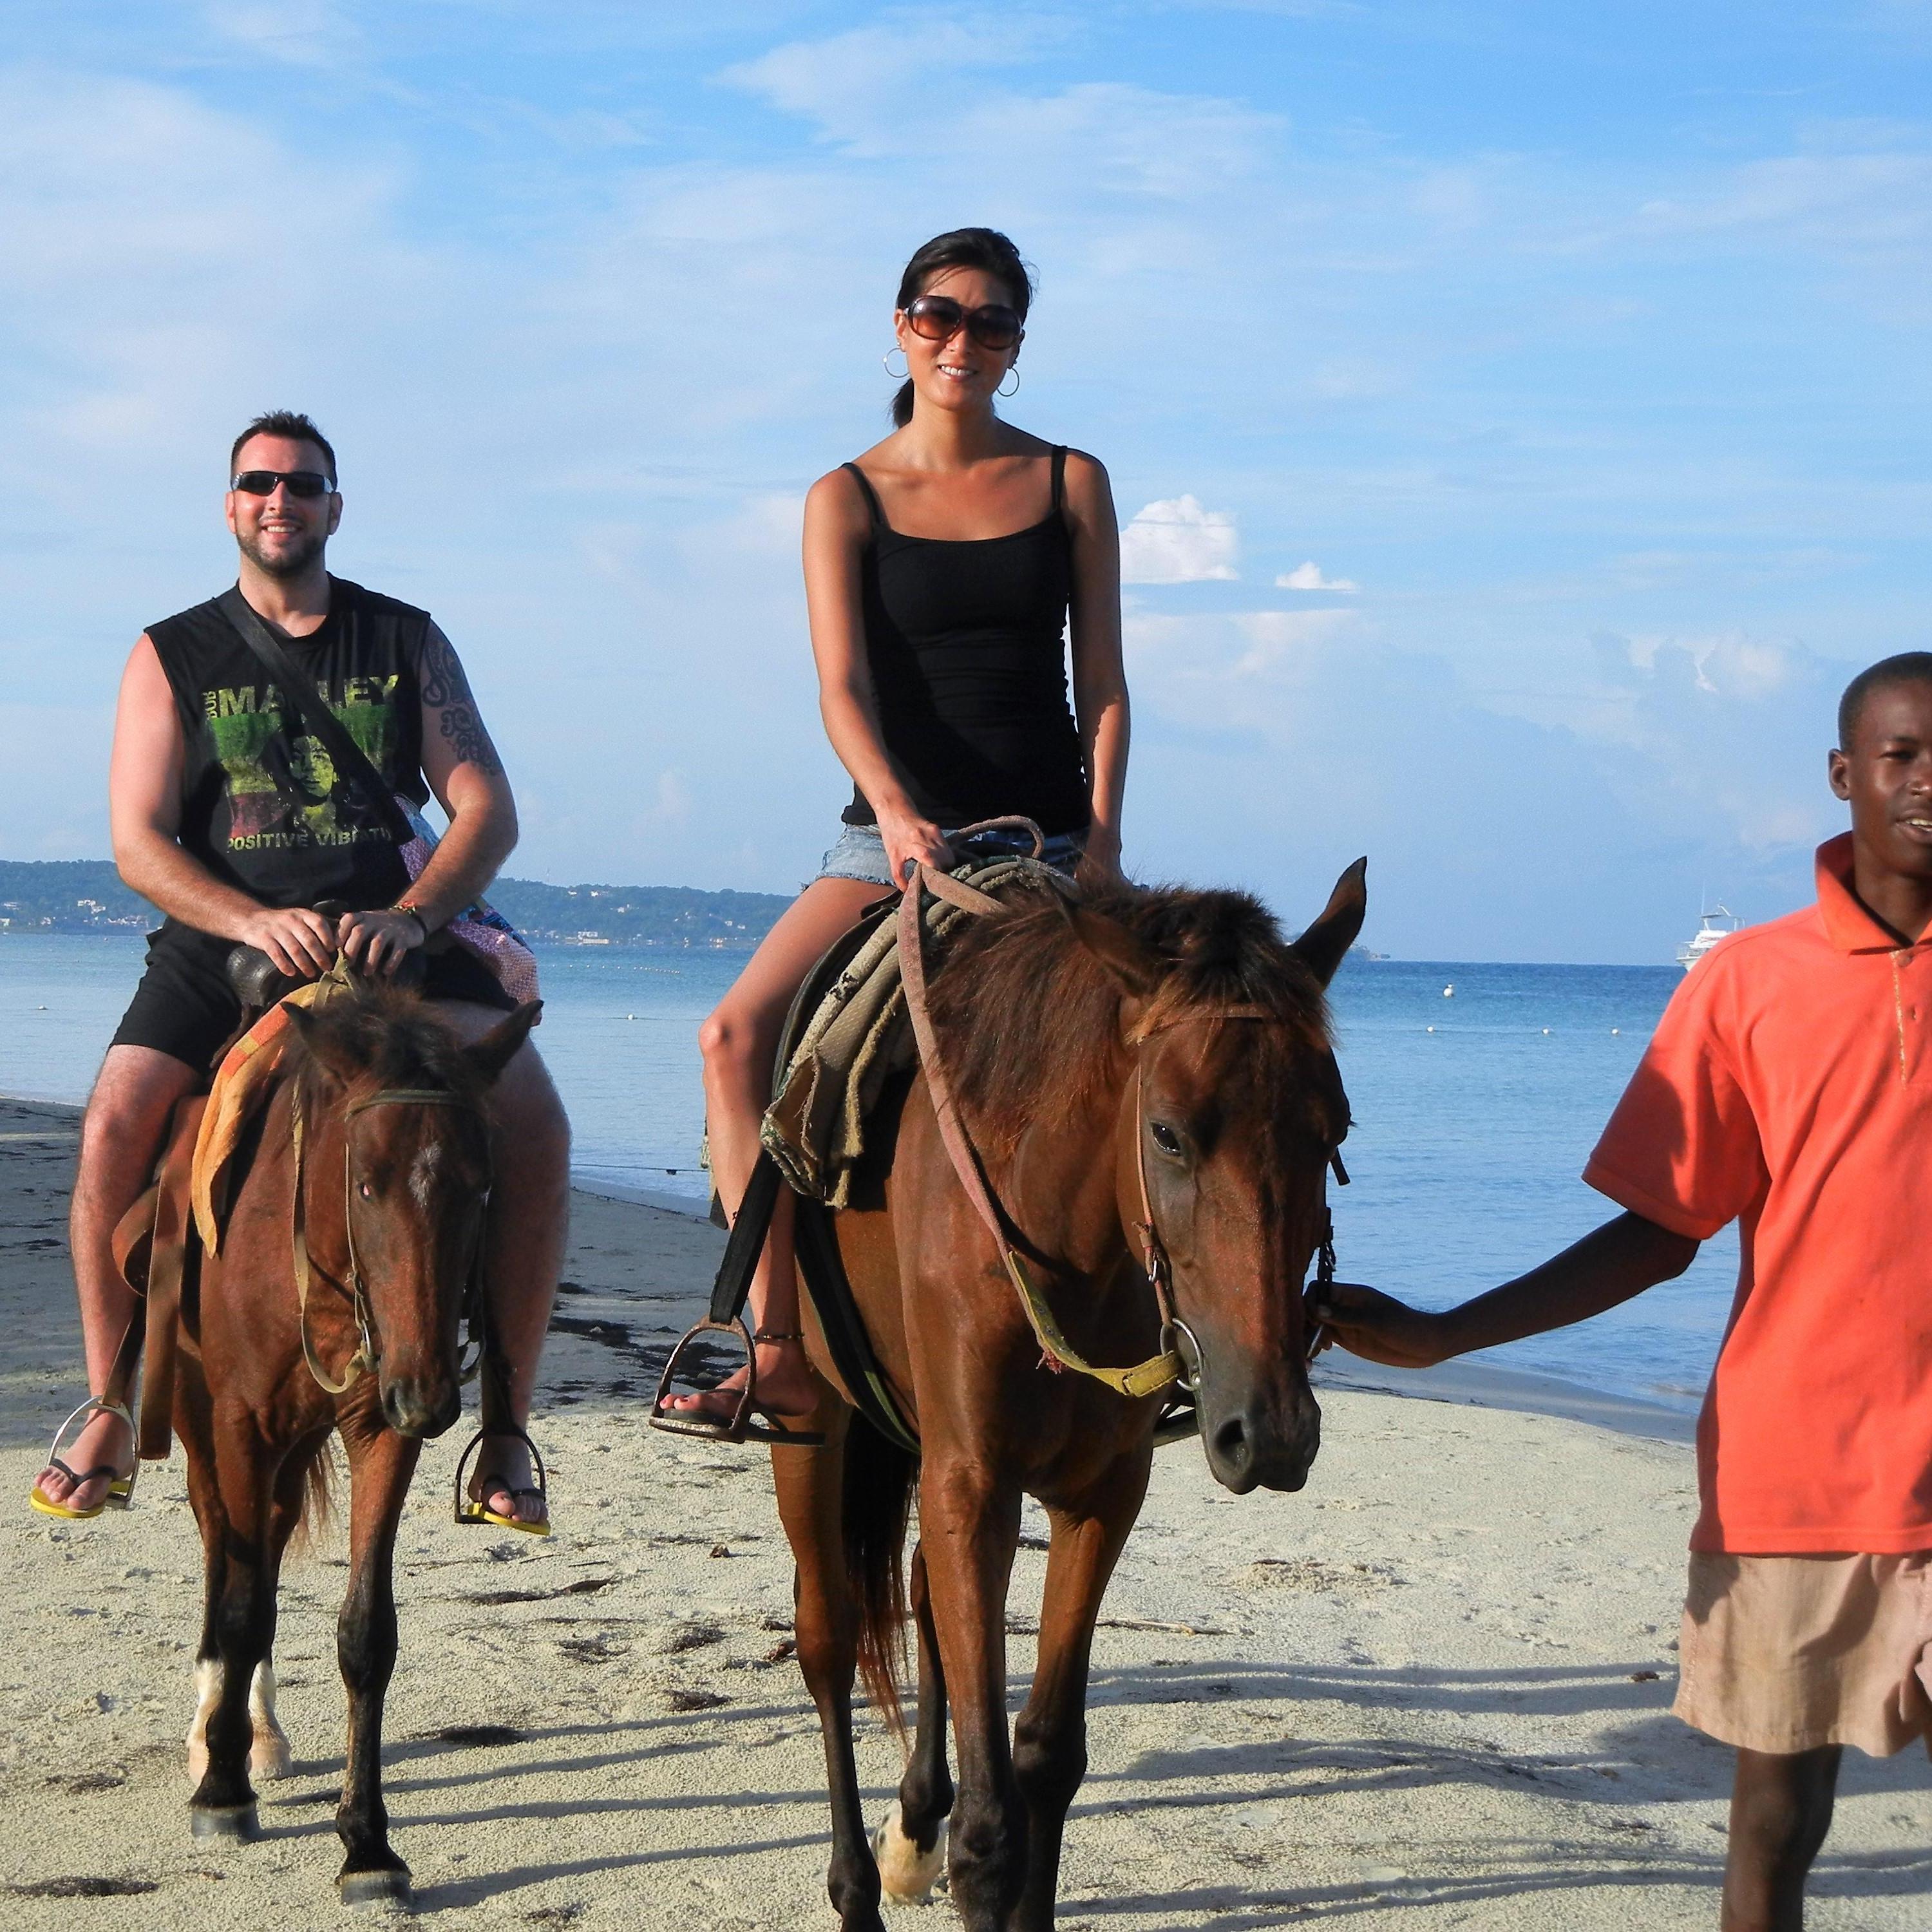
(1788, 1087)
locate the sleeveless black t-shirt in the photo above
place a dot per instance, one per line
(965, 639)
(256, 809)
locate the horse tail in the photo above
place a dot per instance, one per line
(880, 1478)
(318, 1500)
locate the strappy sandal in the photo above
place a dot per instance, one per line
(469, 1507)
(120, 1488)
(749, 1419)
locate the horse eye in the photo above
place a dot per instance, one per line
(1164, 1138)
(367, 1193)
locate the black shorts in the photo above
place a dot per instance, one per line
(185, 1007)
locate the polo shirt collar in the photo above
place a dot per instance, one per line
(1849, 926)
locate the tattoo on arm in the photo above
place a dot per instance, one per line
(445, 690)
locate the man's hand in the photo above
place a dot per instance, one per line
(376, 942)
(1378, 1328)
(302, 943)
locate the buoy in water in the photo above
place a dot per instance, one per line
(1429, 1029)
(1545, 1033)
(1615, 1031)
(1448, 992)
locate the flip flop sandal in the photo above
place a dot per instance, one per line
(469, 1509)
(120, 1488)
(749, 1419)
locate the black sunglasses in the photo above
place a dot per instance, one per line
(300, 482)
(937, 318)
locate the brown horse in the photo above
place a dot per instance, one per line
(1158, 1058)
(373, 1163)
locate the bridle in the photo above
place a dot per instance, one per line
(1179, 1359)
(368, 1353)
(1177, 1339)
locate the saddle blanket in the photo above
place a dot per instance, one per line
(860, 1036)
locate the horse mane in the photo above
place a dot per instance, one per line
(1029, 1014)
(375, 1037)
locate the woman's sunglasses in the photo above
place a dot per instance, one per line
(938, 318)
(300, 482)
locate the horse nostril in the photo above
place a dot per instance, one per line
(1230, 1444)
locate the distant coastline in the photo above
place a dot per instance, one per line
(71, 895)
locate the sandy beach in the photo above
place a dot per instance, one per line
(1431, 1691)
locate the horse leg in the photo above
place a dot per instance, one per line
(381, 1464)
(810, 1484)
(192, 1423)
(969, 1529)
(1050, 1738)
(269, 1755)
(235, 1503)
(911, 1845)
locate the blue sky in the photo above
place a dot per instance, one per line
(1524, 409)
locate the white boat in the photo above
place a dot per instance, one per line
(1720, 922)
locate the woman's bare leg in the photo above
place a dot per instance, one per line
(739, 1042)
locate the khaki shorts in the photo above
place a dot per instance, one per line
(1784, 1654)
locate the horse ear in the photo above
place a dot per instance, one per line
(1137, 968)
(491, 1054)
(1323, 946)
(323, 1047)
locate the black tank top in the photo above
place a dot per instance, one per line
(256, 807)
(965, 640)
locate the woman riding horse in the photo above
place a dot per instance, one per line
(941, 570)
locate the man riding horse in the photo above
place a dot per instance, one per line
(229, 816)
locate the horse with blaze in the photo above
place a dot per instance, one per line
(375, 1151)
(1157, 1060)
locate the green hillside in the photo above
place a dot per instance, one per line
(86, 895)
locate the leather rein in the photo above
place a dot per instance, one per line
(1179, 1359)
(368, 1354)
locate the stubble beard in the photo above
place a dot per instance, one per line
(287, 564)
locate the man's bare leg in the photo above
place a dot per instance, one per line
(525, 1237)
(127, 1114)
(1781, 1811)
(739, 1042)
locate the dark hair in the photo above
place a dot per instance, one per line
(1908, 667)
(289, 423)
(983, 248)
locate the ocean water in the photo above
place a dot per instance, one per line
(1475, 1110)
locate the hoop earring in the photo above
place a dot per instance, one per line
(1013, 370)
(897, 375)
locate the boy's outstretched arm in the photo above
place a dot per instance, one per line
(1610, 1264)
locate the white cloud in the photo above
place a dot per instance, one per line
(303, 33)
(1309, 577)
(1177, 542)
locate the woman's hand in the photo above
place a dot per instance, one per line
(1100, 856)
(907, 838)
(1378, 1328)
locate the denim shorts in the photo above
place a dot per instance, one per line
(860, 852)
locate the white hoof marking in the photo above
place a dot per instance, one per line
(269, 1756)
(207, 1689)
(907, 1874)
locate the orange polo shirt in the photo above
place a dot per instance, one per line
(1789, 1087)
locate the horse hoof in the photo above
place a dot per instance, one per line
(237, 1823)
(375, 1888)
(906, 1873)
(270, 1757)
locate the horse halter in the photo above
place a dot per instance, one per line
(1177, 1339)
(367, 1355)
